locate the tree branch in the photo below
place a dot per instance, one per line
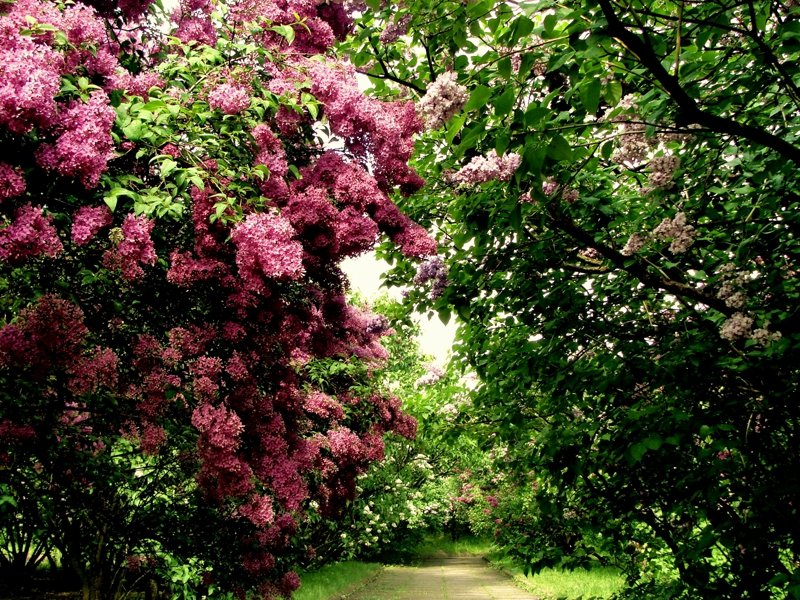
(636, 269)
(689, 111)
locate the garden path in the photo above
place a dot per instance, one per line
(453, 578)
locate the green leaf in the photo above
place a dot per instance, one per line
(549, 24)
(590, 95)
(153, 105)
(504, 67)
(480, 95)
(456, 123)
(638, 451)
(504, 104)
(521, 29)
(559, 149)
(613, 92)
(295, 171)
(285, 31)
(135, 130)
(167, 166)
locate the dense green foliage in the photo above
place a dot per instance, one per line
(629, 296)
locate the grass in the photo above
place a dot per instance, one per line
(334, 580)
(463, 546)
(558, 584)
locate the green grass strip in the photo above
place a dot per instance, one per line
(331, 581)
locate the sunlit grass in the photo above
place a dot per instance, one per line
(333, 580)
(463, 546)
(558, 584)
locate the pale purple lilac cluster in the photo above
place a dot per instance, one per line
(487, 168)
(443, 99)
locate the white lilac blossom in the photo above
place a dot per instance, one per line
(486, 168)
(731, 290)
(635, 243)
(662, 172)
(431, 376)
(764, 337)
(678, 230)
(443, 99)
(737, 327)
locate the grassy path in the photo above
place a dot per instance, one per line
(442, 579)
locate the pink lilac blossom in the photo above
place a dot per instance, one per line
(266, 248)
(152, 439)
(375, 131)
(258, 562)
(289, 583)
(229, 98)
(12, 181)
(171, 150)
(442, 100)
(135, 249)
(88, 221)
(355, 232)
(323, 406)
(570, 195)
(84, 145)
(269, 152)
(431, 376)
(395, 29)
(29, 235)
(220, 427)
(549, 187)
(133, 10)
(30, 79)
(198, 29)
(345, 445)
(487, 168)
(13, 434)
(95, 371)
(191, 341)
(186, 270)
(47, 334)
(414, 241)
(258, 510)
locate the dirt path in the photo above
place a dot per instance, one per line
(442, 579)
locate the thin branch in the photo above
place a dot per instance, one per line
(689, 111)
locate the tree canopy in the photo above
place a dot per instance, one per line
(612, 187)
(186, 394)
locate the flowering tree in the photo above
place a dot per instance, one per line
(614, 193)
(411, 493)
(177, 189)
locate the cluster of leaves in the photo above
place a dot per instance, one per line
(629, 297)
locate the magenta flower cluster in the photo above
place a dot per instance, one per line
(30, 234)
(265, 247)
(134, 249)
(229, 98)
(88, 221)
(84, 145)
(12, 182)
